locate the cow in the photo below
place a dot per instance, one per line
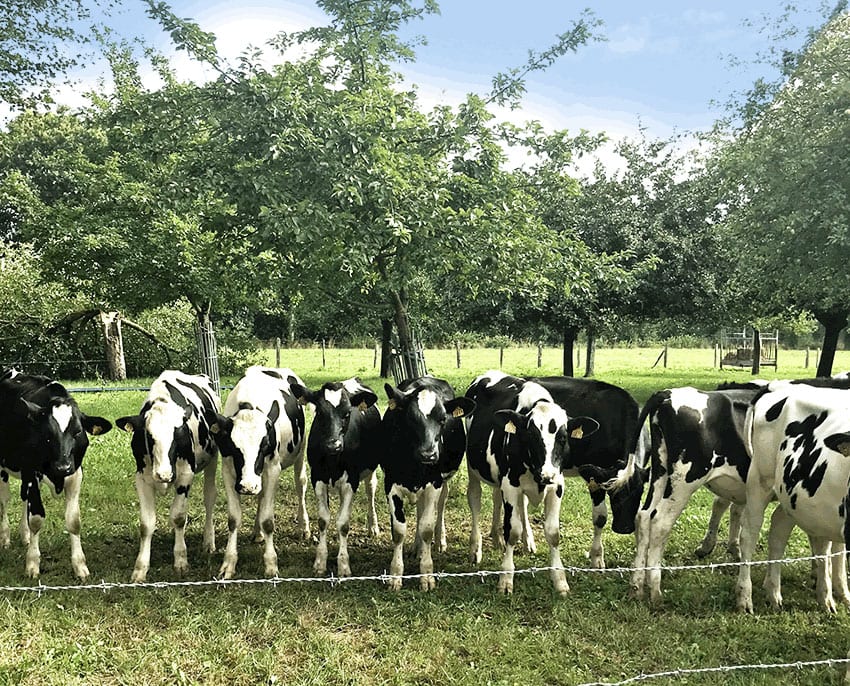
(171, 442)
(598, 458)
(697, 439)
(519, 444)
(422, 444)
(43, 438)
(798, 438)
(342, 451)
(259, 433)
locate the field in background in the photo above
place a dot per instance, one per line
(361, 633)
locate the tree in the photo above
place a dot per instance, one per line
(787, 177)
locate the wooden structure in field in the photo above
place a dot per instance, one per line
(739, 348)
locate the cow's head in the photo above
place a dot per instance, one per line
(161, 431)
(425, 414)
(541, 437)
(249, 438)
(60, 429)
(625, 490)
(333, 404)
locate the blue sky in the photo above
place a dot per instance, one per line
(663, 65)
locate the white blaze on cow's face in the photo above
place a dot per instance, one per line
(334, 398)
(550, 421)
(250, 436)
(62, 414)
(164, 422)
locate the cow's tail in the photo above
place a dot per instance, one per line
(639, 445)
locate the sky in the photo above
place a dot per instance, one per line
(666, 66)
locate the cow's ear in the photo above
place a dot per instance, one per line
(24, 409)
(131, 423)
(509, 420)
(394, 396)
(219, 424)
(460, 407)
(96, 425)
(363, 400)
(582, 427)
(302, 394)
(840, 443)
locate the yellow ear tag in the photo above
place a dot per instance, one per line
(510, 428)
(458, 412)
(96, 430)
(363, 406)
(577, 432)
(214, 429)
(391, 404)
(593, 486)
(128, 427)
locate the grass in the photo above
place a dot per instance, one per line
(361, 633)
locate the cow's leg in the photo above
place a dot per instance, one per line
(758, 496)
(644, 532)
(600, 517)
(666, 513)
(496, 528)
(440, 521)
(398, 526)
(234, 520)
(320, 564)
(24, 528)
(147, 525)
(427, 520)
(265, 514)
(35, 520)
(822, 546)
(552, 531)
(839, 572)
(5, 495)
(72, 522)
(527, 534)
(371, 482)
(343, 520)
(178, 516)
(473, 498)
(512, 504)
(781, 526)
(718, 509)
(300, 471)
(733, 544)
(209, 505)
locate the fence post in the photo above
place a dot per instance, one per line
(665, 357)
(457, 353)
(807, 358)
(277, 352)
(323, 353)
(501, 356)
(715, 355)
(375, 357)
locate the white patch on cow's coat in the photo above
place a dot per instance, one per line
(353, 386)
(62, 414)
(427, 401)
(333, 397)
(545, 416)
(530, 394)
(689, 397)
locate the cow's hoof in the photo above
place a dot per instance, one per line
(271, 572)
(139, 576)
(506, 587)
(394, 583)
(82, 573)
(226, 573)
(181, 569)
(703, 551)
(32, 572)
(636, 592)
(427, 583)
(320, 569)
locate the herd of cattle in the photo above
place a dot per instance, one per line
(748, 443)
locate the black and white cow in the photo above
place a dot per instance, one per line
(259, 433)
(171, 443)
(519, 444)
(42, 438)
(423, 440)
(697, 439)
(342, 451)
(799, 441)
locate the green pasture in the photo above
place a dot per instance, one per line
(361, 633)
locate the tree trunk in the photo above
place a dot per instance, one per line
(591, 354)
(833, 324)
(405, 334)
(113, 344)
(207, 349)
(756, 351)
(386, 344)
(570, 336)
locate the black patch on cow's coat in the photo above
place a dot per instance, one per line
(793, 501)
(5, 476)
(802, 471)
(177, 397)
(559, 491)
(841, 509)
(509, 512)
(773, 413)
(183, 490)
(398, 509)
(599, 522)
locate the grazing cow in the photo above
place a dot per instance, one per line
(597, 458)
(799, 441)
(697, 439)
(42, 438)
(519, 444)
(260, 433)
(171, 443)
(422, 444)
(342, 451)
